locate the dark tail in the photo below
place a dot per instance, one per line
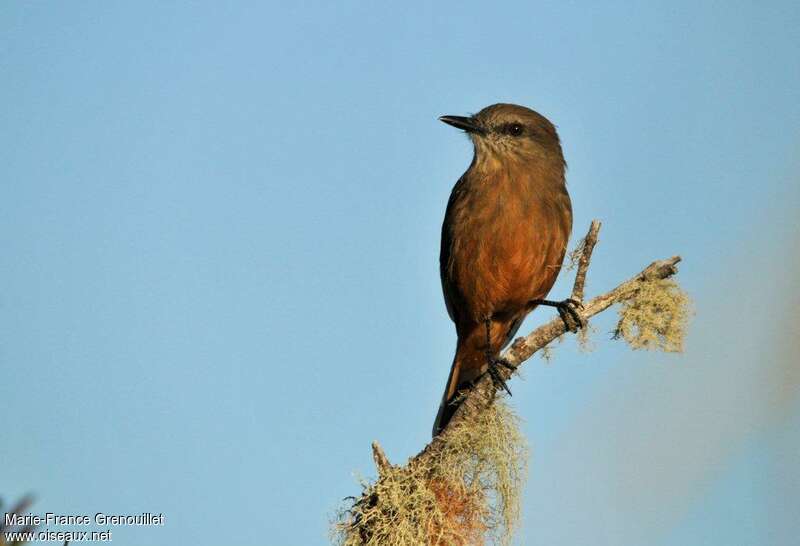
(465, 369)
(448, 406)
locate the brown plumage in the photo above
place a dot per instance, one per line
(504, 236)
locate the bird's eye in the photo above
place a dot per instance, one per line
(513, 129)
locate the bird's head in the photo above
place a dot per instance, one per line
(510, 131)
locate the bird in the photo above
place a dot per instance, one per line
(504, 237)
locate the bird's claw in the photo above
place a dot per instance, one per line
(569, 308)
(568, 311)
(494, 372)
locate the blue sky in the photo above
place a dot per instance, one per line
(220, 279)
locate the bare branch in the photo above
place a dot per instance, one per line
(583, 264)
(381, 461)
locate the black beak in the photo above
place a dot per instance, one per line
(470, 125)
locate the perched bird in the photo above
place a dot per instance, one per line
(504, 237)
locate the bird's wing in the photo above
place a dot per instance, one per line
(449, 289)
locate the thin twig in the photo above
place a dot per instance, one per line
(586, 256)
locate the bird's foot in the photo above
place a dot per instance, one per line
(494, 372)
(568, 310)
